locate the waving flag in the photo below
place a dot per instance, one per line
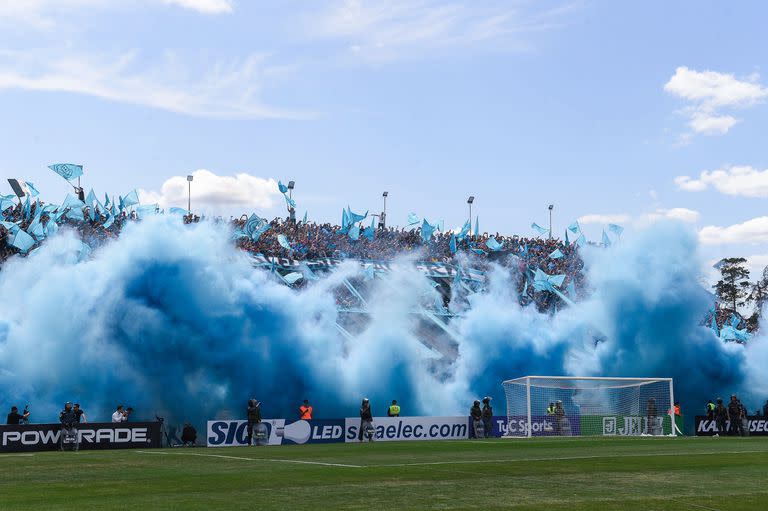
(292, 277)
(131, 199)
(280, 186)
(606, 240)
(581, 241)
(539, 228)
(32, 190)
(354, 217)
(344, 220)
(557, 254)
(452, 244)
(493, 244)
(22, 240)
(6, 201)
(290, 202)
(305, 219)
(354, 232)
(147, 210)
(283, 241)
(567, 241)
(10, 227)
(574, 227)
(370, 232)
(27, 208)
(68, 171)
(615, 229)
(413, 219)
(252, 224)
(465, 230)
(108, 222)
(426, 231)
(261, 230)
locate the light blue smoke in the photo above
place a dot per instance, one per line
(173, 320)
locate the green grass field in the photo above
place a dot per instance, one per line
(553, 474)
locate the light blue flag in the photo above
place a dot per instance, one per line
(493, 244)
(615, 229)
(735, 321)
(354, 232)
(369, 232)
(283, 241)
(413, 219)
(52, 228)
(426, 231)
(556, 254)
(68, 171)
(261, 230)
(106, 201)
(114, 210)
(525, 288)
(305, 218)
(75, 214)
(344, 219)
(22, 240)
(146, 210)
(27, 208)
(479, 251)
(574, 227)
(571, 290)
(109, 221)
(290, 202)
(122, 204)
(567, 241)
(37, 230)
(539, 228)
(465, 230)
(131, 199)
(581, 241)
(477, 226)
(369, 272)
(283, 189)
(32, 190)
(253, 223)
(452, 244)
(354, 217)
(606, 240)
(91, 198)
(10, 227)
(177, 211)
(293, 277)
(6, 201)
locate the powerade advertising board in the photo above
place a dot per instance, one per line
(411, 428)
(93, 435)
(230, 433)
(758, 426)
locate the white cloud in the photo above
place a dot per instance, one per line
(213, 192)
(219, 89)
(204, 6)
(686, 215)
(710, 91)
(383, 30)
(682, 214)
(740, 181)
(42, 14)
(615, 218)
(754, 230)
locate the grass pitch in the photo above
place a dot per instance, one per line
(552, 474)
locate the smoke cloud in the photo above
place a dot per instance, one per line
(173, 320)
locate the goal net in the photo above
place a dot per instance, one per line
(583, 406)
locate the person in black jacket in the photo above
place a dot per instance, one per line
(734, 414)
(487, 417)
(477, 415)
(15, 417)
(721, 416)
(366, 421)
(254, 417)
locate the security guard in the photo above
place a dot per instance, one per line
(487, 416)
(710, 410)
(551, 409)
(394, 409)
(721, 416)
(477, 414)
(305, 411)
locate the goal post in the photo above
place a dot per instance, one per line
(589, 406)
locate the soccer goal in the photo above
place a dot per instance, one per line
(588, 406)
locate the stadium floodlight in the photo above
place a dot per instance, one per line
(383, 217)
(189, 194)
(589, 406)
(470, 200)
(551, 207)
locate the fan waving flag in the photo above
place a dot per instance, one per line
(131, 199)
(574, 227)
(452, 244)
(557, 254)
(493, 244)
(538, 228)
(615, 229)
(283, 241)
(68, 171)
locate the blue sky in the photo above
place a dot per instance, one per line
(609, 110)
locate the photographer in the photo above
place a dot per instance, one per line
(254, 417)
(16, 418)
(79, 414)
(366, 421)
(120, 415)
(68, 420)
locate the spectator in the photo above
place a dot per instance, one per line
(15, 417)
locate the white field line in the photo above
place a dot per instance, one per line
(25, 455)
(244, 458)
(563, 458)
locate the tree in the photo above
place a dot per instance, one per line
(759, 292)
(733, 288)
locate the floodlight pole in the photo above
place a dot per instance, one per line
(470, 200)
(383, 219)
(189, 194)
(551, 207)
